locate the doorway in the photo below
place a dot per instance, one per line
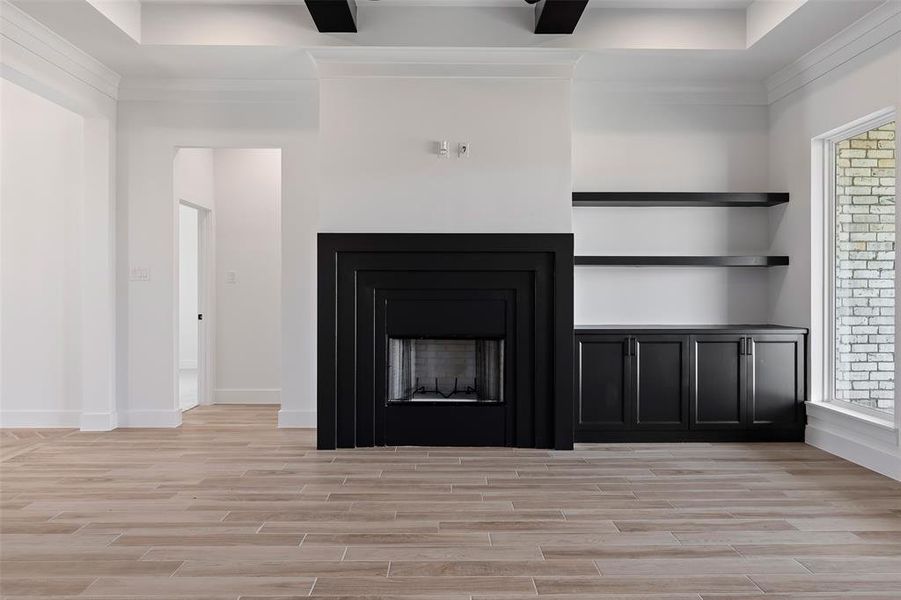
(190, 306)
(228, 203)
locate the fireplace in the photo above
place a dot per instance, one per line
(445, 340)
(445, 370)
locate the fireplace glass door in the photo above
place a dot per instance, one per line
(445, 370)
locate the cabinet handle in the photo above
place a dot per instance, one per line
(750, 346)
(741, 346)
(626, 346)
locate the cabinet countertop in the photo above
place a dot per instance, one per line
(721, 328)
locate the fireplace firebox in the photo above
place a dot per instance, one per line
(452, 370)
(445, 339)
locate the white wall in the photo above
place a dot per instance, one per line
(42, 191)
(645, 141)
(864, 85)
(193, 177)
(38, 60)
(248, 184)
(188, 287)
(669, 295)
(380, 170)
(151, 131)
(636, 141)
(857, 87)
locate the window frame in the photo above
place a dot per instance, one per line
(829, 143)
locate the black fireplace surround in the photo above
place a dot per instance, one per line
(445, 340)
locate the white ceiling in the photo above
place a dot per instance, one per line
(617, 40)
(674, 4)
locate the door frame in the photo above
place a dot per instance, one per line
(206, 296)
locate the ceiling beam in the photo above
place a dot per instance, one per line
(558, 16)
(334, 16)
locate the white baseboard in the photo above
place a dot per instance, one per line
(163, 418)
(855, 438)
(881, 461)
(106, 421)
(40, 419)
(297, 419)
(247, 396)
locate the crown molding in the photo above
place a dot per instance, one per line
(443, 71)
(872, 29)
(214, 90)
(686, 93)
(24, 31)
(337, 63)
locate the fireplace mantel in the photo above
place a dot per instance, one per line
(435, 286)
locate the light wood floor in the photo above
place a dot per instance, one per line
(228, 506)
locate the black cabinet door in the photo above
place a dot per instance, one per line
(660, 382)
(775, 381)
(602, 382)
(718, 382)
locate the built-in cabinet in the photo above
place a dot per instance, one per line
(671, 384)
(700, 382)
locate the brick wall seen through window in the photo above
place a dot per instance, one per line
(864, 275)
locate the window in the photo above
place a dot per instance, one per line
(862, 268)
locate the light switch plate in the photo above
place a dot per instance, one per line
(139, 274)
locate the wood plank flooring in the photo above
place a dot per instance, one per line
(229, 507)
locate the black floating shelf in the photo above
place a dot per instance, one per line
(683, 261)
(678, 199)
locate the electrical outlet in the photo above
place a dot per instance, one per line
(463, 150)
(231, 277)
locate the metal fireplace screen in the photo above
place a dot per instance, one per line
(445, 370)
